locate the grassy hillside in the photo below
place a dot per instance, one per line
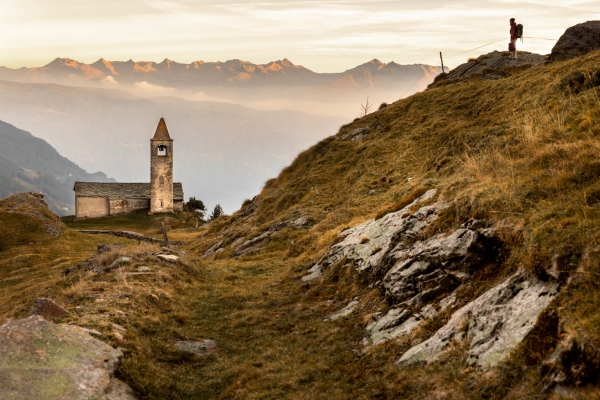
(521, 152)
(522, 149)
(34, 249)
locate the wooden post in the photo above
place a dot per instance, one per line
(442, 59)
(164, 231)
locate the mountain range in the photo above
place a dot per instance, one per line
(254, 85)
(30, 164)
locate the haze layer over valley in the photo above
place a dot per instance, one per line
(272, 86)
(223, 152)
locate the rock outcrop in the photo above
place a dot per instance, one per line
(244, 246)
(41, 360)
(575, 362)
(357, 134)
(29, 209)
(577, 41)
(421, 277)
(366, 244)
(423, 270)
(492, 325)
(489, 66)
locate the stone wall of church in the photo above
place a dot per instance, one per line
(125, 206)
(94, 207)
(161, 177)
(91, 207)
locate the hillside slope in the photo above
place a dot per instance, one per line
(445, 247)
(513, 160)
(28, 163)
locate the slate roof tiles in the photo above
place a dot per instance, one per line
(118, 190)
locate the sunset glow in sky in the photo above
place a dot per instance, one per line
(325, 36)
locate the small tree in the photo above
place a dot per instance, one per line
(195, 205)
(365, 109)
(217, 212)
(194, 211)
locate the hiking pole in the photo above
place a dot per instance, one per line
(442, 59)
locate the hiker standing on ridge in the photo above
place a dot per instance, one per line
(513, 38)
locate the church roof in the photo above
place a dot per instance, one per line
(162, 133)
(118, 190)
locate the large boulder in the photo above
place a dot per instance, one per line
(577, 41)
(42, 360)
(492, 325)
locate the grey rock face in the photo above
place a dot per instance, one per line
(343, 312)
(213, 249)
(577, 41)
(366, 245)
(202, 347)
(425, 269)
(253, 245)
(397, 322)
(119, 262)
(357, 134)
(493, 324)
(118, 390)
(168, 258)
(41, 360)
(401, 321)
(489, 66)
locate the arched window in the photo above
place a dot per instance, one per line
(162, 150)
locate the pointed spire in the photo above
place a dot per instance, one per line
(162, 133)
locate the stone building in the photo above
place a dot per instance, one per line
(98, 199)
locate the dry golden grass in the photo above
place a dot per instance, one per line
(522, 152)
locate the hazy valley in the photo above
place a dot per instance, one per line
(29, 164)
(224, 152)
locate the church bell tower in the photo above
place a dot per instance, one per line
(161, 170)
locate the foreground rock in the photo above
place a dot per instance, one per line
(577, 41)
(42, 360)
(492, 325)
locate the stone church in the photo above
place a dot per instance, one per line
(96, 199)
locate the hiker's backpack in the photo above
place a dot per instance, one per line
(519, 33)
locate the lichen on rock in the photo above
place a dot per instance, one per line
(492, 325)
(41, 360)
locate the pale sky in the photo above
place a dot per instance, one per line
(325, 36)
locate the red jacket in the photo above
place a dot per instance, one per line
(513, 32)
